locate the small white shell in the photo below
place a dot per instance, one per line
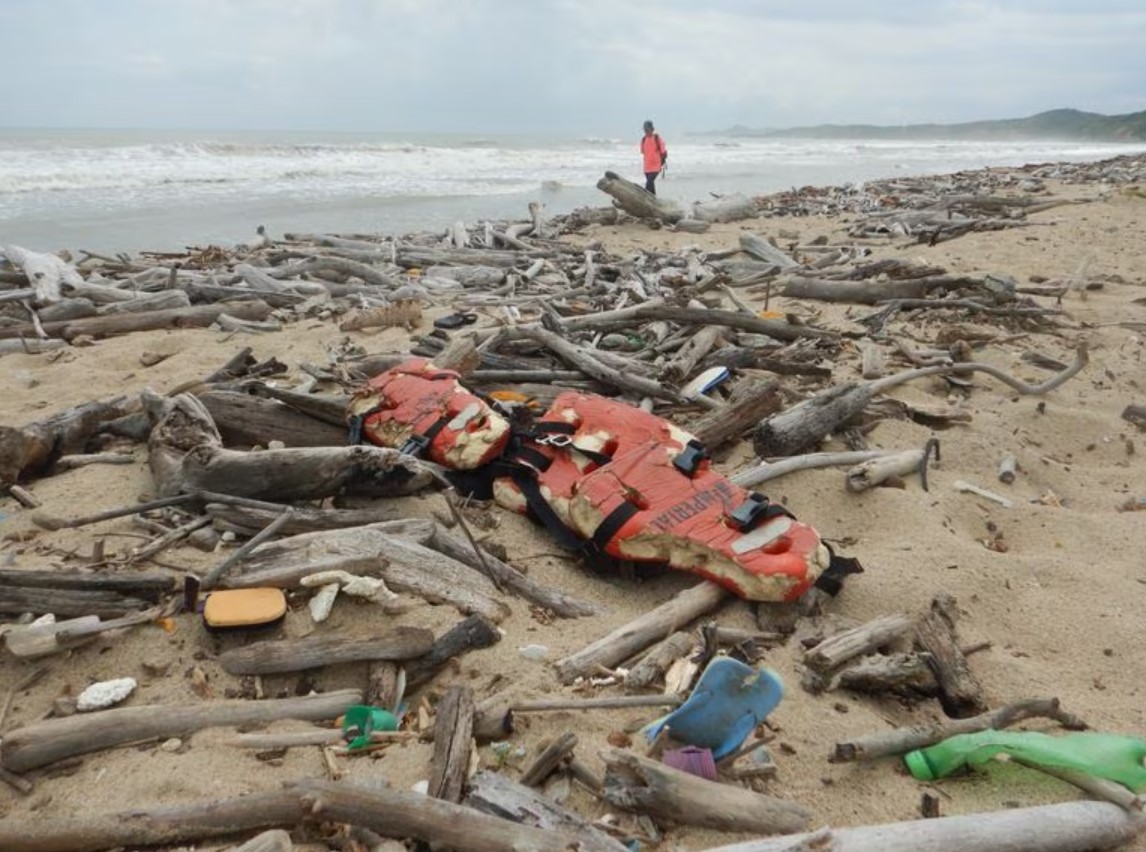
(106, 693)
(323, 602)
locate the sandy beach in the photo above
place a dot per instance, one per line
(1052, 583)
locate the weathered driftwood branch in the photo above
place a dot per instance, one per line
(729, 208)
(644, 786)
(642, 631)
(473, 633)
(873, 472)
(959, 692)
(836, 650)
(196, 316)
(295, 655)
(871, 292)
(774, 328)
(901, 740)
(760, 248)
(453, 743)
(42, 743)
(637, 201)
(803, 426)
(551, 757)
(748, 406)
(767, 471)
(1069, 827)
(29, 450)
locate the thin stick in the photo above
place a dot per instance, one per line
(1100, 787)
(597, 703)
(31, 679)
(1082, 358)
(774, 470)
(900, 740)
(168, 539)
(213, 576)
(48, 522)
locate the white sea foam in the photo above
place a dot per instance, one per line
(61, 177)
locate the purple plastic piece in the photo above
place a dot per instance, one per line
(693, 760)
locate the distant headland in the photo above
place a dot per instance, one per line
(1064, 124)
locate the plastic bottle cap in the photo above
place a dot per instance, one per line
(919, 765)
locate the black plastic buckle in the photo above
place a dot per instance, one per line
(415, 445)
(751, 512)
(690, 458)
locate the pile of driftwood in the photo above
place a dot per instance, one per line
(691, 334)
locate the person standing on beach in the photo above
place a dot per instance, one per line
(655, 155)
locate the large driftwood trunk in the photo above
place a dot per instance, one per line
(760, 248)
(637, 201)
(43, 743)
(404, 565)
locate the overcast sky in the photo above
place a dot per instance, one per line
(582, 66)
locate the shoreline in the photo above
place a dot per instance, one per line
(1049, 582)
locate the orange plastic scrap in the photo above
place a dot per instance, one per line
(576, 435)
(417, 408)
(701, 523)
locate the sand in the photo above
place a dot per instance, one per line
(1059, 607)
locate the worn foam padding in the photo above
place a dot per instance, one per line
(729, 701)
(234, 609)
(414, 398)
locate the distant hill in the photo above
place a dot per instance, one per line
(1065, 124)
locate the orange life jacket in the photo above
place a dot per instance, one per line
(653, 152)
(636, 487)
(419, 409)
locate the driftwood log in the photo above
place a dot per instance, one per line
(43, 743)
(730, 208)
(637, 201)
(1069, 827)
(836, 650)
(656, 662)
(643, 631)
(644, 786)
(295, 655)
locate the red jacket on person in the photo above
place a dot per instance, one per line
(654, 152)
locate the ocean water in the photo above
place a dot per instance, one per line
(112, 191)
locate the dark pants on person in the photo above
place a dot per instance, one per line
(651, 182)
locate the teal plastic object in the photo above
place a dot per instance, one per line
(729, 701)
(361, 720)
(1110, 756)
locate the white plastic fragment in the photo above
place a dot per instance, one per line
(534, 652)
(968, 488)
(106, 693)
